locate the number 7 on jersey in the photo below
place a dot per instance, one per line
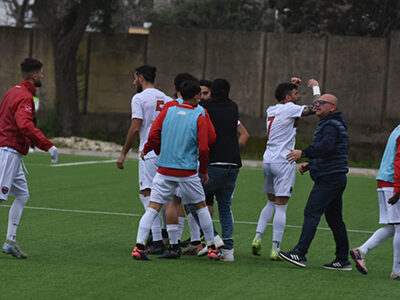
(269, 124)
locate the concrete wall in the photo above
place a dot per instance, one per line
(362, 72)
(392, 109)
(113, 60)
(175, 51)
(236, 56)
(355, 74)
(14, 47)
(289, 55)
(42, 49)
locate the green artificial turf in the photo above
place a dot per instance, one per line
(79, 243)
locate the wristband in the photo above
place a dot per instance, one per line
(316, 90)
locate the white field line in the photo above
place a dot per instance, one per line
(93, 162)
(250, 164)
(140, 215)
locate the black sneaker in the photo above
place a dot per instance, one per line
(171, 252)
(185, 243)
(156, 248)
(149, 241)
(294, 257)
(339, 265)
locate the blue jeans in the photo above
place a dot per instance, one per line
(193, 211)
(326, 198)
(222, 184)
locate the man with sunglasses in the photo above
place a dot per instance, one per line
(328, 165)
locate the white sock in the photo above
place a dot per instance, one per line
(279, 225)
(194, 228)
(156, 229)
(265, 218)
(396, 249)
(206, 225)
(173, 231)
(144, 200)
(379, 236)
(164, 218)
(145, 224)
(181, 227)
(14, 217)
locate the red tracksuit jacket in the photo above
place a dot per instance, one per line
(17, 129)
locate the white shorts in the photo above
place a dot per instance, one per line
(164, 188)
(12, 177)
(178, 192)
(388, 214)
(279, 178)
(147, 171)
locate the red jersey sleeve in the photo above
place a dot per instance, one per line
(202, 141)
(396, 181)
(24, 120)
(154, 139)
(169, 104)
(212, 136)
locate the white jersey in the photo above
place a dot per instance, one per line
(282, 121)
(146, 106)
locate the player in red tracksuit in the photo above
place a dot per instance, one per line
(17, 131)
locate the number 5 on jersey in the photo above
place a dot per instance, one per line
(160, 104)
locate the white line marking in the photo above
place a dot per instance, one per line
(93, 162)
(140, 215)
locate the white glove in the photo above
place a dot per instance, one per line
(53, 151)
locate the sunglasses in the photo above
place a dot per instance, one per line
(321, 102)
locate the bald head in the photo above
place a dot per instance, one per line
(330, 98)
(326, 105)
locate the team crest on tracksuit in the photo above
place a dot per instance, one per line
(4, 190)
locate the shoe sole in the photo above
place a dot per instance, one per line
(227, 260)
(278, 258)
(339, 269)
(15, 255)
(255, 250)
(299, 264)
(359, 267)
(201, 253)
(139, 257)
(215, 258)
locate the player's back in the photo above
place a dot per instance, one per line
(146, 106)
(282, 120)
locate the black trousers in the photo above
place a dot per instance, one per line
(326, 198)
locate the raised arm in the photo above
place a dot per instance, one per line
(310, 109)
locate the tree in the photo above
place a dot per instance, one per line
(66, 21)
(341, 17)
(247, 15)
(17, 10)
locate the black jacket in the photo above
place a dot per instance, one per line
(329, 151)
(224, 114)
